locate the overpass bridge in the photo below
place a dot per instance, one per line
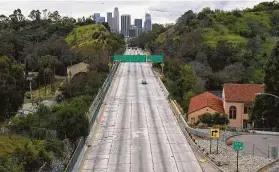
(138, 131)
(75, 69)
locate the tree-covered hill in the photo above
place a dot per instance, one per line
(28, 42)
(229, 46)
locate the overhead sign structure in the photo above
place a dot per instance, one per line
(155, 58)
(237, 146)
(214, 133)
(129, 58)
(138, 58)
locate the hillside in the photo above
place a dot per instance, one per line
(230, 46)
(95, 38)
(204, 50)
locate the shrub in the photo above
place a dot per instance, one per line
(202, 125)
(215, 119)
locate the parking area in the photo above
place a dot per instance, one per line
(259, 145)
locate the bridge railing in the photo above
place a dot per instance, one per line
(92, 115)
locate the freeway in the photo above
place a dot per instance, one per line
(138, 132)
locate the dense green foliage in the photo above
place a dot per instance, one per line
(11, 87)
(48, 43)
(226, 46)
(68, 119)
(27, 155)
(214, 119)
(221, 46)
(182, 82)
(266, 107)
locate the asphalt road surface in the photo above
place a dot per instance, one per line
(138, 132)
(260, 145)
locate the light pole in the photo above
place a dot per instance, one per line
(257, 94)
(30, 78)
(268, 94)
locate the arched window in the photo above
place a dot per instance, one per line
(232, 113)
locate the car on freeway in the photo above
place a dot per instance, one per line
(143, 82)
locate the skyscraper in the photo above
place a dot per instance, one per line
(125, 24)
(147, 22)
(96, 17)
(102, 19)
(109, 20)
(133, 32)
(138, 23)
(116, 19)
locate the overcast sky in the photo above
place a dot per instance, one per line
(161, 11)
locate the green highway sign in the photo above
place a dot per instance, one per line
(155, 58)
(237, 146)
(129, 58)
(138, 58)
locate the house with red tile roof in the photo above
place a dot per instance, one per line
(237, 102)
(204, 103)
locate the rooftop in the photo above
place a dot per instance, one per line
(206, 99)
(242, 92)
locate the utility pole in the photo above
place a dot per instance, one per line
(30, 78)
(75, 38)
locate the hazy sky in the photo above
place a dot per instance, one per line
(161, 11)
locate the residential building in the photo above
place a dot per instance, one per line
(204, 103)
(133, 32)
(138, 23)
(116, 20)
(147, 23)
(125, 24)
(109, 20)
(237, 102)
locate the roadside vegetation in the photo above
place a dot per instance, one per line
(204, 50)
(45, 44)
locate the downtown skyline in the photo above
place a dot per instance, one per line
(162, 12)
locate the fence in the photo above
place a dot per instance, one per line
(92, 114)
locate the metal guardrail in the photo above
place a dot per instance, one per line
(92, 115)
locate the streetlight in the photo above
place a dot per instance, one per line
(257, 94)
(268, 95)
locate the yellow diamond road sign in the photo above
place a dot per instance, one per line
(162, 64)
(214, 133)
(109, 64)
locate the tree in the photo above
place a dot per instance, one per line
(266, 107)
(11, 87)
(7, 164)
(214, 119)
(47, 65)
(72, 121)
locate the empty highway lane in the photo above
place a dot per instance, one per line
(138, 132)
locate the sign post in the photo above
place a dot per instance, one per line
(237, 146)
(109, 66)
(162, 65)
(214, 133)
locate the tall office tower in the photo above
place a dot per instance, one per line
(102, 19)
(147, 23)
(116, 19)
(96, 17)
(125, 24)
(133, 32)
(109, 20)
(138, 23)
